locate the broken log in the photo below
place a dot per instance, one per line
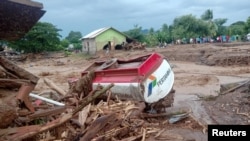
(45, 113)
(23, 95)
(83, 115)
(235, 87)
(6, 74)
(97, 126)
(53, 86)
(18, 71)
(12, 83)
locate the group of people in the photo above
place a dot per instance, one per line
(200, 40)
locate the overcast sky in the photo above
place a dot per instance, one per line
(88, 15)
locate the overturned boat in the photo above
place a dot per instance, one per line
(147, 78)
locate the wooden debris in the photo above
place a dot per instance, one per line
(12, 83)
(53, 86)
(235, 87)
(23, 95)
(45, 113)
(83, 85)
(6, 74)
(7, 115)
(96, 126)
(84, 114)
(103, 118)
(29, 131)
(18, 71)
(244, 114)
(92, 96)
(134, 45)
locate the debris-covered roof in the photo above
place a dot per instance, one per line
(17, 17)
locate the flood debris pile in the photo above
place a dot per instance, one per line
(229, 57)
(14, 79)
(12, 55)
(78, 114)
(232, 105)
(134, 45)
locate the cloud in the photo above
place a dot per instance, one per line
(86, 16)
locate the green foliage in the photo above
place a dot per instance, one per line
(151, 39)
(247, 26)
(67, 53)
(178, 32)
(77, 46)
(220, 21)
(42, 37)
(236, 28)
(164, 35)
(189, 26)
(207, 15)
(136, 33)
(221, 30)
(74, 38)
(64, 43)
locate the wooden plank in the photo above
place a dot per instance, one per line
(18, 71)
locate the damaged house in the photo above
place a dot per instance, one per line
(99, 39)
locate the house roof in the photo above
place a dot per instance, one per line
(97, 32)
(12, 27)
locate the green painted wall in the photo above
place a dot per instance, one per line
(109, 35)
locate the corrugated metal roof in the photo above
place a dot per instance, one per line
(95, 33)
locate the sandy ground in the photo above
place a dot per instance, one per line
(194, 79)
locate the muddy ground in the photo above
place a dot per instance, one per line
(199, 69)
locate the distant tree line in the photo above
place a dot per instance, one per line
(188, 26)
(45, 36)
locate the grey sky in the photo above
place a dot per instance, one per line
(86, 16)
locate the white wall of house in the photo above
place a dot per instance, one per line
(89, 46)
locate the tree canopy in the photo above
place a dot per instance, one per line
(135, 33)
(189, 26)
(74, 39)
(42, 37)
(74, 36)
(247, 26)
(207, 15)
